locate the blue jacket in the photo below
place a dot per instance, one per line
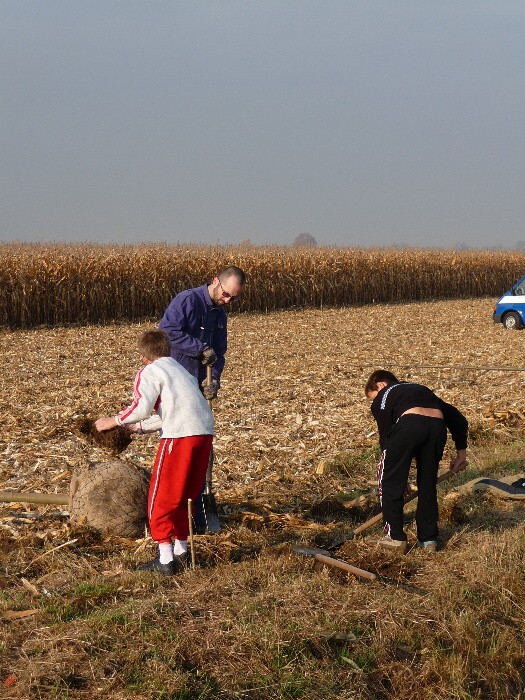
(192, 321)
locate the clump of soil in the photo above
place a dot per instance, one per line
(453, 508)
(114, 441)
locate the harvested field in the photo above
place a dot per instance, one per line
(295, 443)
(292, 391)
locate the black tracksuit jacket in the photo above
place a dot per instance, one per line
(392, 401)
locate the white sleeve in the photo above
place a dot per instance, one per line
(146, 391)
(151, 424)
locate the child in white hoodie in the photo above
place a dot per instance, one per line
(182, 413)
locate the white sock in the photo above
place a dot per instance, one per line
(180, 547)
(165, 552)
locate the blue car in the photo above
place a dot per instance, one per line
(510, 309)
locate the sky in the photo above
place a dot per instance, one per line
(360, 122)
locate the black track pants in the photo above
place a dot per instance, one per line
(413, 437)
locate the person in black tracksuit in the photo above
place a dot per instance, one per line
(412, 423)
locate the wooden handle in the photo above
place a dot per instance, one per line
(330, 561)
(379, 516)
(210, 460)
(58, 499)
(367, 524)
(208, 380)
(190, 537)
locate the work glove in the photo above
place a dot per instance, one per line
(210, 390)
(208, 356)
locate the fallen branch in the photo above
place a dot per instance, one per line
(58, 499)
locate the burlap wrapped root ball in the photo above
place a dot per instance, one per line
(110, 496)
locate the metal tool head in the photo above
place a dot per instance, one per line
(338, 542)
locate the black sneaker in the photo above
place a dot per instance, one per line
(155, 565)
(180, 562)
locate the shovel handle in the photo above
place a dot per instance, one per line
(208, 380)
(338, 564)
(210, 461)
(379, 516)
(367, 524)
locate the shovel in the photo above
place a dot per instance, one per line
(323, 556)
(211, 522)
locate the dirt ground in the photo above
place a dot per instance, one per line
(295, 444)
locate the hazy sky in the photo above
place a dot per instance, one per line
(359, 122)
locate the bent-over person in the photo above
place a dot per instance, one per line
(412, 424)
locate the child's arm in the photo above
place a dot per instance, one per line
(149, 425)
(146, 392)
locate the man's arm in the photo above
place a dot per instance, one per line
(180, 322)
(220, 345)
(456, 423)
(459, 463)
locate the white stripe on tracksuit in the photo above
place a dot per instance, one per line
(159, 470)
(380, 469)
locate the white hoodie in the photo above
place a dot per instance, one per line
(166, 387)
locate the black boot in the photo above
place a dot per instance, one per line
(155, 565)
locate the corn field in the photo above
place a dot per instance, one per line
(81, 284)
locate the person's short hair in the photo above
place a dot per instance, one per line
(232, 271)
(380, 375)
(154, 344)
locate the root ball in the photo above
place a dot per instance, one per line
(110, 496)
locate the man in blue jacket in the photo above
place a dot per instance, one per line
(195, 322)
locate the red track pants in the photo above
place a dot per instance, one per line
(178, 474)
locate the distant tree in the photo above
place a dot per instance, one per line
(520, 245)
(246, 243)
(304, 240)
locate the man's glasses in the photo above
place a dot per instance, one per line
(226, 294)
